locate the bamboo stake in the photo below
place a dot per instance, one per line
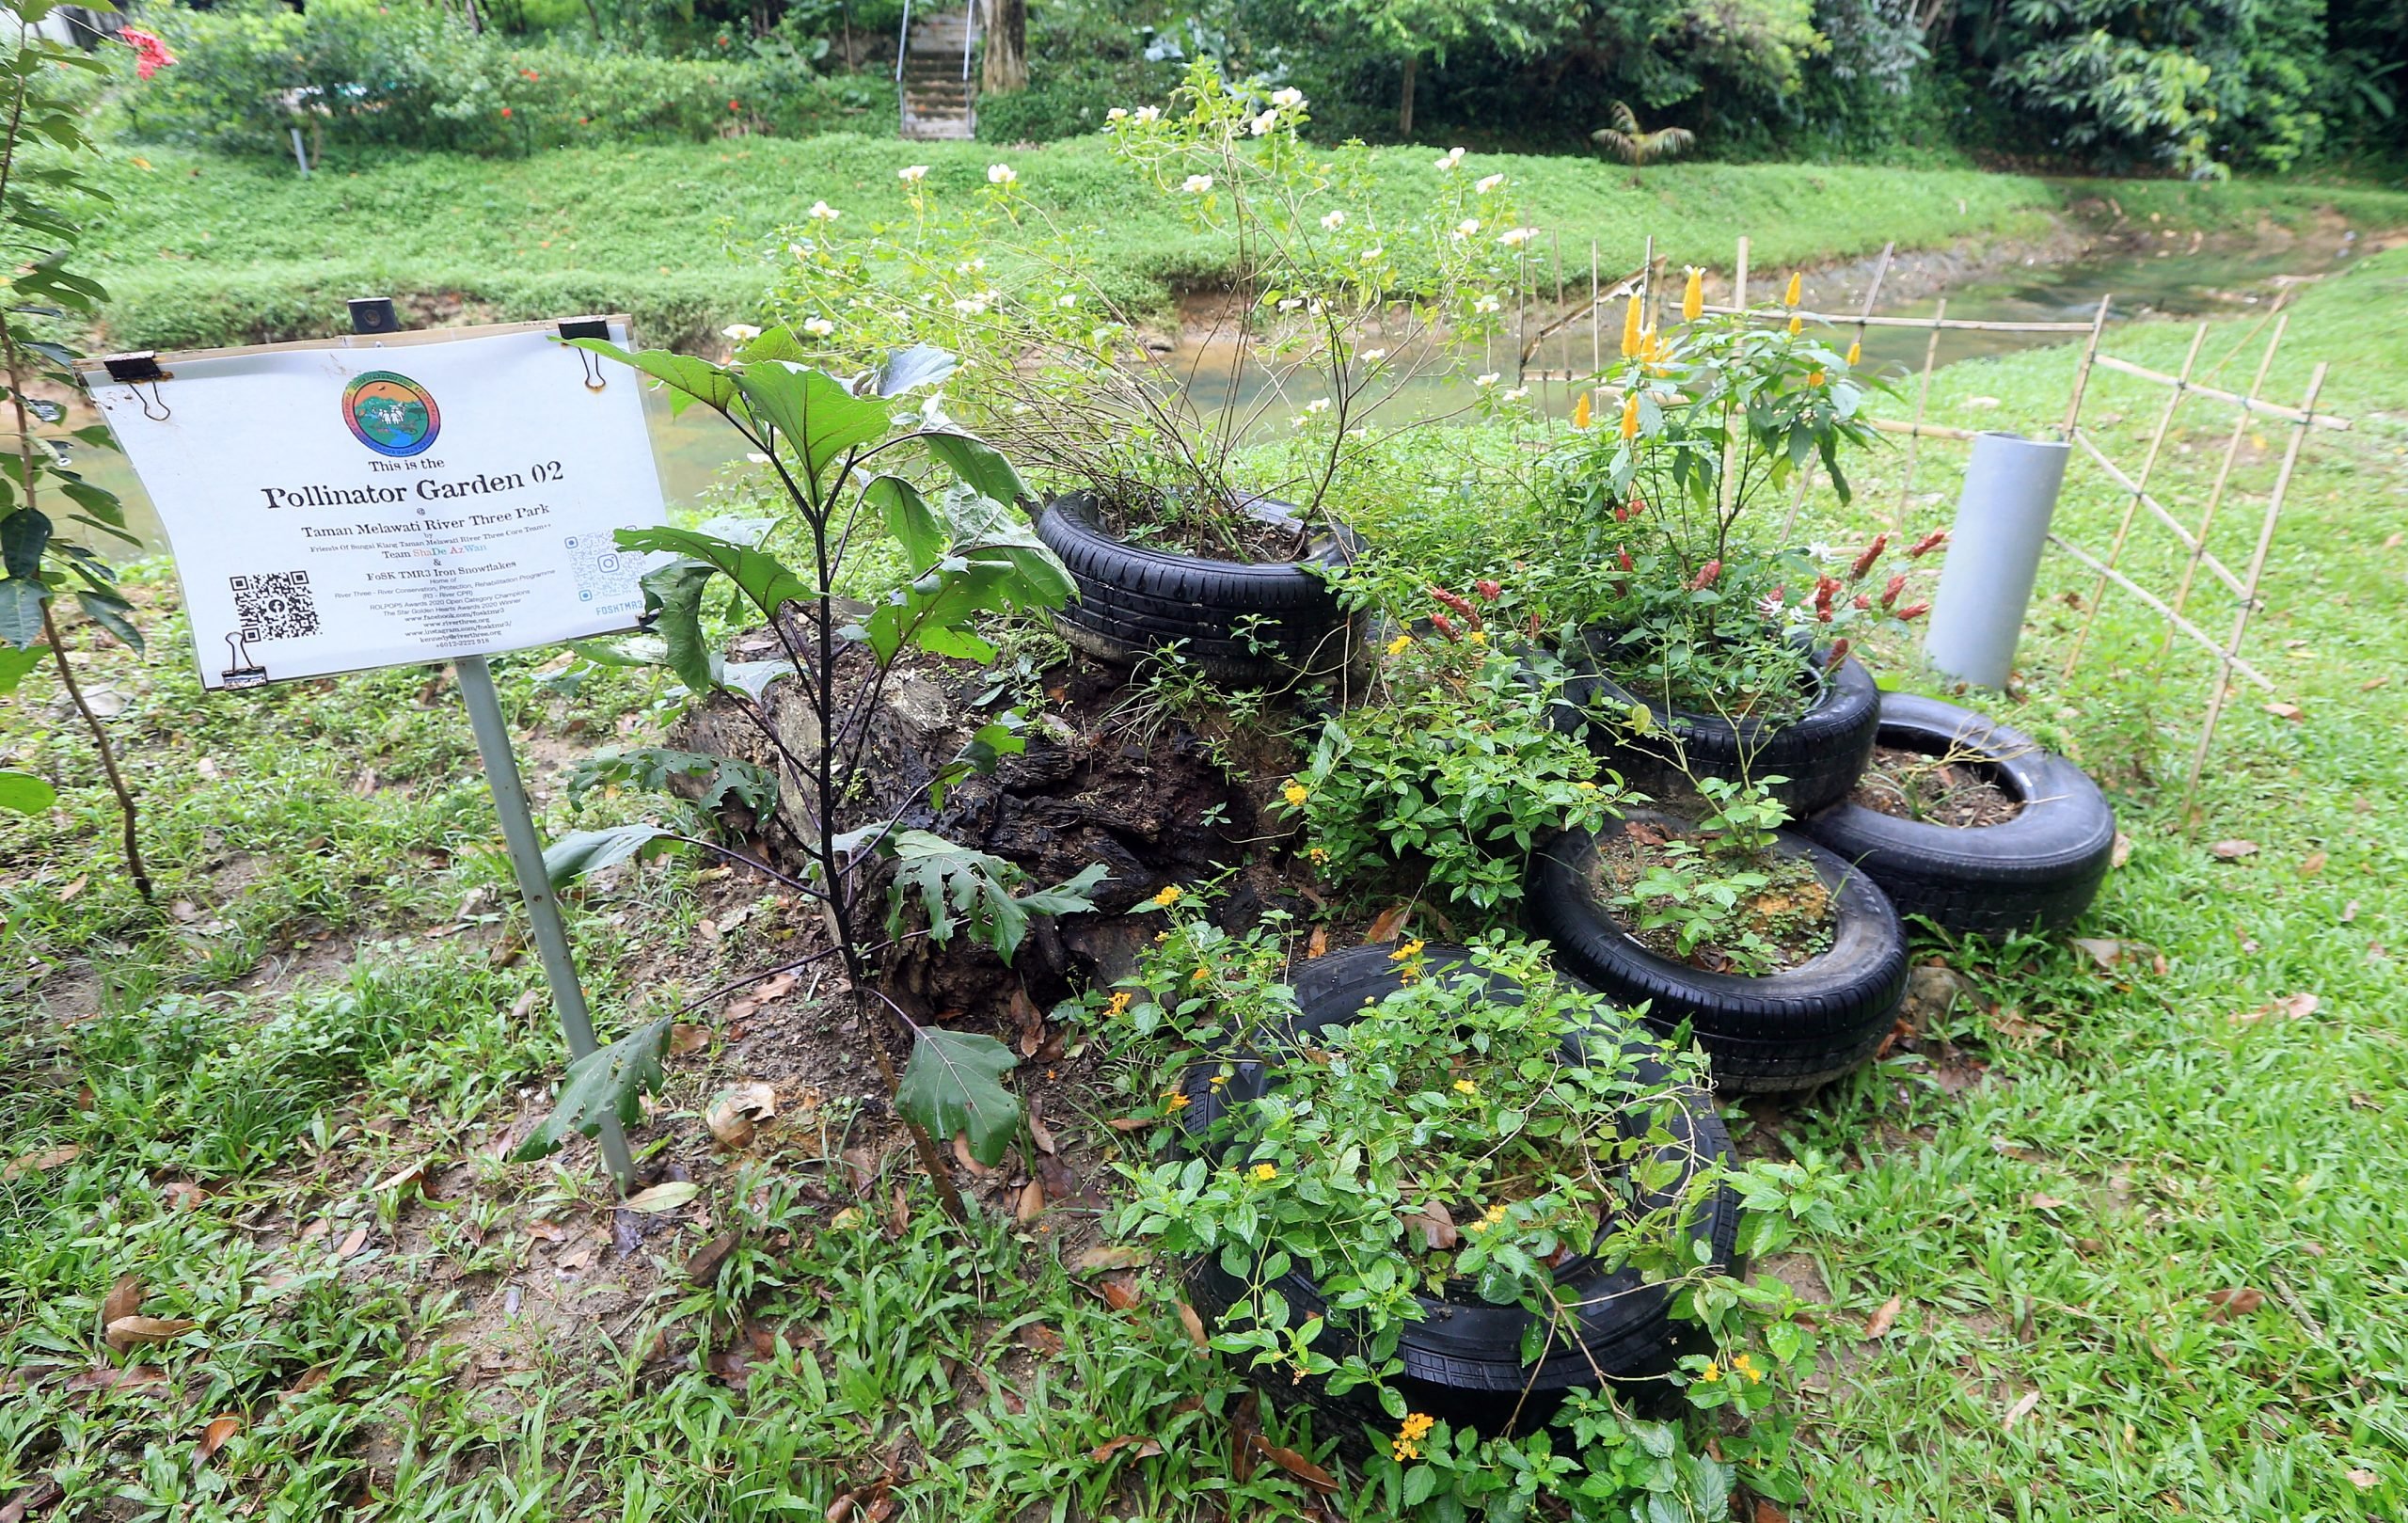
(1964, 324)
(2137, 490)
(2223, 474)
(2270, 409)
(2150, 599)
(2256, 570)
(2146, 500)
(2081, 369)
(1731, 447)
(1928, 431)
(1915, 430)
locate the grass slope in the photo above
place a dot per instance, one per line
(2052, 1202)
(202, 250)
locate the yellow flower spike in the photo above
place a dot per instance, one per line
(1855, 354)
(1263, 1173)
(1630, 415)
(1630, 330)
(1169, 897)
(1694, 295)
(1400, 644)
(1794, 325)
(1797, 287)
(1581, 412)
(1296, 793)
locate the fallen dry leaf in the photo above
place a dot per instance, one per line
(123, 1300)
(2101, 950)
(1038, 1131)
(1109, 1255)
(351, 1243)
(213, 1438)
(2287, 711)
(2239, 1301)
(1294, 1464)
(962, 1155)
(2021, 1409)
(132, 1332)
(2311, 865)
(2122, 852)
(1391, 921)
(1883, 1318)
(1038, 1338)
(686, 1041)
(35, 1163)
(414, 1177)
(2362, 1478)
(2046, 1202)
(111, 1377)
(737, 1111)
(1130, 1123)
(1437, 1226)
(1136, 1445)
(182, 1194)
(1317, 944)
(662, 1197)
(1767, 1511)
(1032, 1201)
(2233, 850)
(1119, 1294)
(703, 1267)
(1194, 1321)
(42, 1493)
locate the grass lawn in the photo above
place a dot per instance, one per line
(200, 250)
(274, 1118)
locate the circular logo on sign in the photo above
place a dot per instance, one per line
(390, 413)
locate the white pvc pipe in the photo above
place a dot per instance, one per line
(2010, 494)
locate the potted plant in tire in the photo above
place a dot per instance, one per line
(1435, 1193)
(1971, 825)
(1784, 962)
(1703, 650)
(1337, 303)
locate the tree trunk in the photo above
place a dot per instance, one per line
(594, 16)
(1404, 99)
(1006, 66)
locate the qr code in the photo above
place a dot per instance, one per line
(605, 574)
(275, 605)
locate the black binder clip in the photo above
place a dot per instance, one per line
(242, 670)
(588, 327)
(132, 370)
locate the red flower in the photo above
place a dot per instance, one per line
(1838, 653)
(1621, 556)
(1824, 588)
(733, 106)
(1489, 591)
(1446, 626)
(1706, 575)
(1936, 538)
(505, 111)
(1914, 611)
(1863, 601)
(150, 54)
(1890, 593)
(1872, 553)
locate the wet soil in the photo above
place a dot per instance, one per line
(1935, 790)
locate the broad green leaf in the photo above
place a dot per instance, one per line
(1065, 898)
(978, 464)
(111, 613)
(575, 855)
(24, 793)
(23, 535)
(609, 1081)
(980, 755)
(21, 601)
(651, 768)
(813, 411)
(934, 611)
(675, 592)
(958, 886)
(15, 663)
(689, 380)
(753, 679)
(763, 578)
(100, 504)
(907, 370)
(909, 518)
(952, 1086)
(627, 650)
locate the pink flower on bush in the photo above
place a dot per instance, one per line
(150, 54)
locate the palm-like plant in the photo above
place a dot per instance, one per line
(1624, 140)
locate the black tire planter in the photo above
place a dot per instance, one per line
(1462, 1360)
(1820, 754)
(1239, 621)
(2041, 868)
(1794, 1029)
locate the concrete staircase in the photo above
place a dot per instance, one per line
(939, 105)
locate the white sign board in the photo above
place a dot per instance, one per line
(381, 501)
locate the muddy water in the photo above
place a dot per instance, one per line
(2145, 276)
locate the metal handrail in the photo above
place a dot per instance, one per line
(902, 41)
(969, 35)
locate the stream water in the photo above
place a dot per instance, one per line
(2143, 282)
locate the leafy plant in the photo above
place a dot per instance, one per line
(1624, 139)
(833, 445)
(1720, 888)
(37, 186)
(1458, 772)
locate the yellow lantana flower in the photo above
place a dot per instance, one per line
(1296, 793)
(1400, 644)
(1465, 1086)
(1119, 1005)
(1410, 949)
(1169, 897)
(1263, 1173)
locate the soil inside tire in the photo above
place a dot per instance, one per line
(1957, 792)
(1793, 917)
(1224, 532)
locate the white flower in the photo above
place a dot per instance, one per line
(1149, 113)
(970, 306)
(756, 458)
(1071, 300)
(1289, 304)
(1291, 99)
(1484, 381)
(822, 212)
(1002, 174)
(1517, 393)
(1488, 183)
(970, 267)
(1372, 356)
(1263, 123)
(1119, 113)
(1446, 161)
(1316, 406)
(1467, 227)
(818, 327)
(1516, 237)
(798, 252)
(1334, 221)
(1197, 184)
(741, 332)
(1771, 607)
(1372, 256)
(912, 174)
(1486, 304)
(1820, 551)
